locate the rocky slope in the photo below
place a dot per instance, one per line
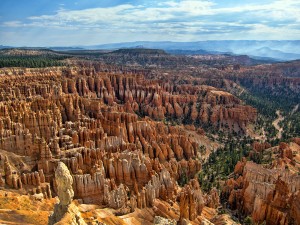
(268, 193)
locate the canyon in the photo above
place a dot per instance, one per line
(96, 141)
(106, 128)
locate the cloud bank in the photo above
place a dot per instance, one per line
(187, 20)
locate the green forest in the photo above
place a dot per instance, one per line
(37, 61)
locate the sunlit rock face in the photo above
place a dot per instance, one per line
(112, 131)
(65, 212)
(268, 193)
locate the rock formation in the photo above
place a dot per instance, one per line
(162, 221)
(65, 212)
(267, 193)
(115, 130)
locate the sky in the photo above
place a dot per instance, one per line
(92, 22)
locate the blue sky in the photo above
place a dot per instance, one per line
(90, 22)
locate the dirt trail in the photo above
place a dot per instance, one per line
(276, 124)
(295, 109)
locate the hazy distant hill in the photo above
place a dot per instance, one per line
(4, 47)
(136, 51)
(272, 50)
(279, 50)
(275, 54)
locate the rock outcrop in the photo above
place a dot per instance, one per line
(163, 221)
(65, 212)
(191, 202)
(267, 193)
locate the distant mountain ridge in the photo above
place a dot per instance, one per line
(278, 50)
(282, 50)
(275, 54)
(140, 51)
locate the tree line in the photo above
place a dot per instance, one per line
(31, 61)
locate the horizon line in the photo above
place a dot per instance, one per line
(131, 42)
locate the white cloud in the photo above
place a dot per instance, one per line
(181, 20)
(276, 11)
(14, 23)
(170, 11)
(130, 13)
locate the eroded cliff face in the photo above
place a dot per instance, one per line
(268, 192)
(106, 128)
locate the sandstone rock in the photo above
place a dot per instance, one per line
(65, 212)
(191, 202)
(163, 221)
(267, 194)
(110, 126)
(64, 183)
